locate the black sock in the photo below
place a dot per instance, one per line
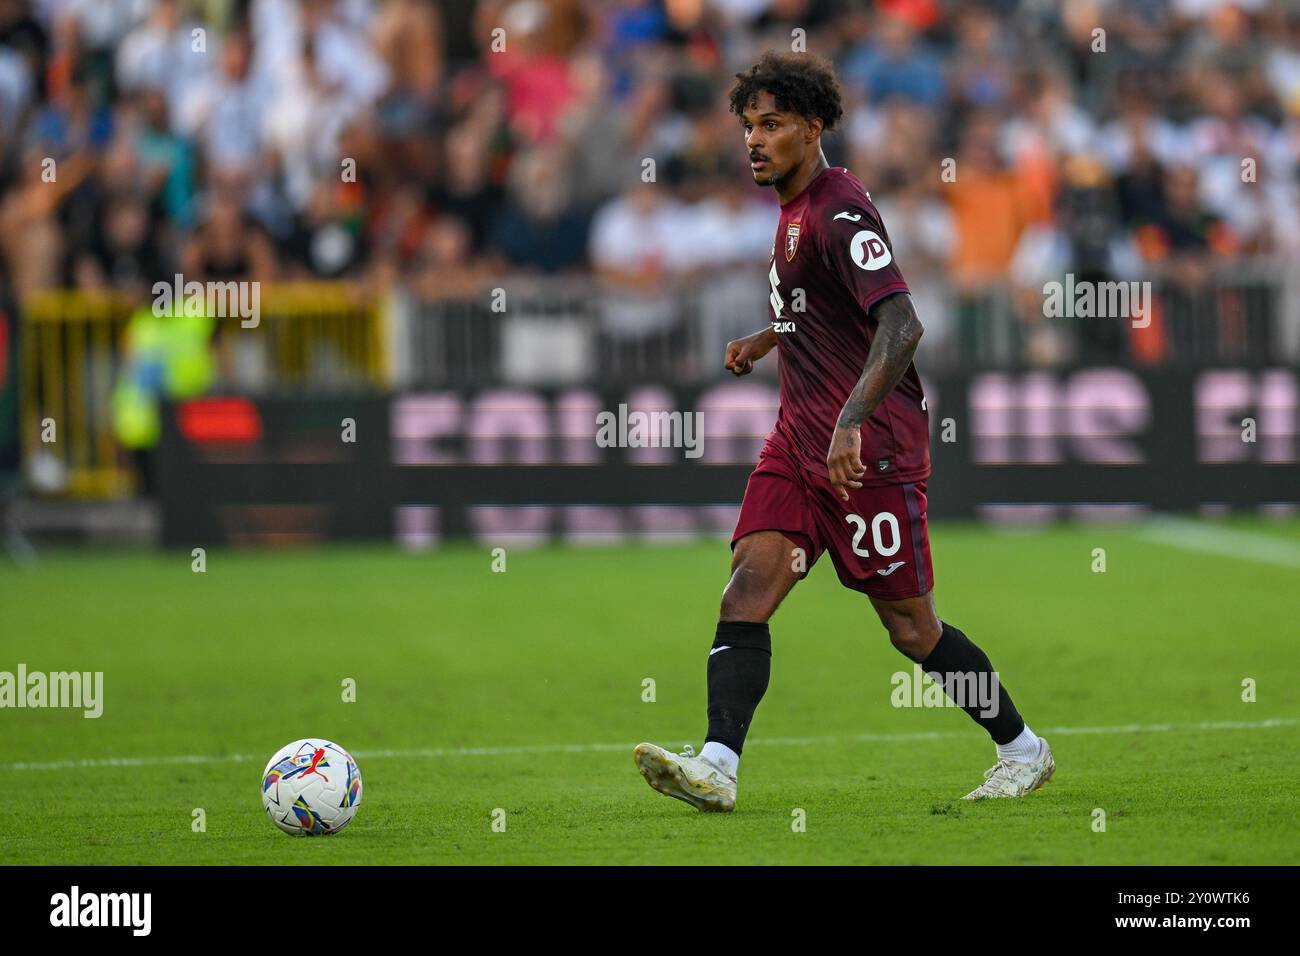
(737, 680)
(952, 665)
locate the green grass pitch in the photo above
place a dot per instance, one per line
(523, 691)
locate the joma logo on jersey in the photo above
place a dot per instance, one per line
(782, 326)
(791, 240)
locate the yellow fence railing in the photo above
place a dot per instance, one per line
(308, 336)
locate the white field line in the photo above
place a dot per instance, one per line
(437, 752)
(1205, 538)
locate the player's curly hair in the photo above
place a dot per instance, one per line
(802, 83)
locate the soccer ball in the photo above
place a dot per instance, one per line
(311, 788)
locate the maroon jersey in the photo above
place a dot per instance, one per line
(831, 262)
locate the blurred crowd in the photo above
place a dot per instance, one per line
(436, 143)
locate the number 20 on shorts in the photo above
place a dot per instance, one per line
(877, 523)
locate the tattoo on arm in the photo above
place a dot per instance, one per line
(898, 332)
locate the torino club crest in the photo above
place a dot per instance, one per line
(791, 240)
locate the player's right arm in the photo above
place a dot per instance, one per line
(743, 353)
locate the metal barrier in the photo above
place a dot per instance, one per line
(556, 331)
(329, 338)
(571, 331)
(324, 337)
(69, 344)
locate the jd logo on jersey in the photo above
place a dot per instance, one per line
(791, 240)
(869, 251)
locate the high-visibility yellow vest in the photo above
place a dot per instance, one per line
(163, 356)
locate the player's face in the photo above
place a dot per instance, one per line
(776, 140)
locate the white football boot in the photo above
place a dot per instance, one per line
(687, 777)
(1015, 778)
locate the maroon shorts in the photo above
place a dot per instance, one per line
(878, 539)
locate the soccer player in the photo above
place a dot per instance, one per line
(845, 468)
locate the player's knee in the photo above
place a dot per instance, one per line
(746, 598)
(907, 641)
(739, 604)
(913, 634)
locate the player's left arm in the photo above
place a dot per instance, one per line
(856, 249)
(898, 332)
